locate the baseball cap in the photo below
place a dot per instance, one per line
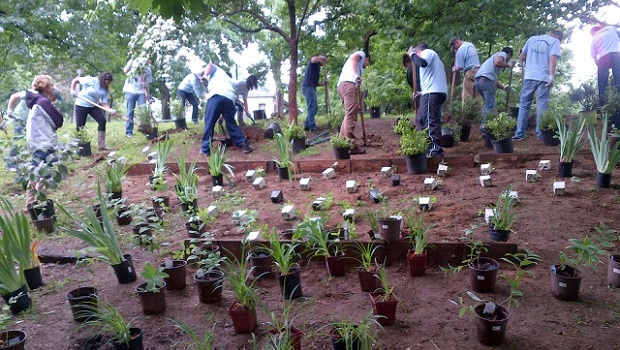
(452, 41)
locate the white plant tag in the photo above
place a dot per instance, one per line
(562, 284)
(169, 264)
(480, 278)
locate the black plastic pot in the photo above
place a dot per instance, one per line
(46, 224)
(217, 180)
(491, 329)
(395, 180)
(486, 136)
(417, 163)
(125, 272)
(503, 146)
(277, 196)
(153, 135)
(20, 300)
(498, 235)
(291, 284)
(548, 137)
(565, 169)
(565, 284)
(389, 229)
(447, 137)
(261, 263)
(483, 275)
(271, 130)
(153, 303)
(603, 180)
(134, 344)
(47, 210)
(176, 279)
(83, 301)
(14, 340)
(375, 112)
(123, 220)
(283, 173)
(189, 208)
(613, 271)
(298, 144)
(84, 149)
(465, 132)
(342, 153)
(180, 124)
(33, 277)
(210, 287)
(259, 114)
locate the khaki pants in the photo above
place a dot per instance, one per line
(348, 95)
(469, 91)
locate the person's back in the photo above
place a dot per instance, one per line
(538, 49)
(467, 56)
(221, 84)
(433, 76)
(605, 41)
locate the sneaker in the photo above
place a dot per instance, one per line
(195, 122)
(435, 155)
(245, 148)
(357, 150)
(518, 138)
(129, 135)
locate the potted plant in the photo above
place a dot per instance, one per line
(100, 236)
(503, 217)
(80, 299)
(108, 320)
(414, 145)
(571, 141)
(202, 341)
(217, 165)
(144, 220)
(82, 137)
(40, 179)
(283, 334)
(566, 276)
(389, 225)
(177, 109)
(321, 245)
(384, 302)
(341, 146)
(243, 309)
(296, 134)
(152, 293)
(501, 126)
(347, 335)
(369, 264)
(605, 155)
(470, 114)
(146, 123)
(13, 287)
(209, 277)
(370, 216)
(175, 269)
(10, 339)
(112, 177)
(188, 199)
(549, 128)
(284, 160)
(157, 180)
(285, 258)
(586, 96)
(491, 318)
(418, 242)
(188, 174)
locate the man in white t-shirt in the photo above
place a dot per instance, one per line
(605, 50)
(433, 90)
(348, 86)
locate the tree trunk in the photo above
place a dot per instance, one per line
(292, 85)
(165, 100)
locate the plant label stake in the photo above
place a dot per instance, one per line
(425, 203)
(544, 165)
(513, 195)
(329, 173)
(252, 236)
(442, 170)
(305, 183)
(288, 212)
(277, 196)
(485, 169)
(488, 214)
(559, 188)
(217, 191)
(351, 186)
(212, 211)
(485, 181)
(259, 183)
(386, 171)
(349, 215)
(239, 216)
(250, 175)
(318, 204)
(430, 183)
(531, 175)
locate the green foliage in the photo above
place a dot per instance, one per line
(504, 216)
(587, 254)
(113, 174)
(284, 255)
(81, 135)
(547, 122)
(294, 131)
(571, 137)
(475, 250)
(418, 232)
(367, 254)
(472, 112)
(500, 125)
(585, 95)
(319, 240)
(240, 282)
(363, 333)
(11, 278)
(385, 86)
(612, 106)
(217, 162)
(104, 319)
(154, 277)
(187, 177)
(339, 142)
(202, 341)
(606, 156)
(143, 114)
(283, 147)
(16, 234)
(211, 262)
(520, 261)
(402, 126)
(388, 292)
(414, 142)
(177, 109)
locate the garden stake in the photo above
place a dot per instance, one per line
(361, 111)
(414, 68)
(452, 86)
(508, 92)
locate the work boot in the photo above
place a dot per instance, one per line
(357, 150)
(101, 141)
(245, 148)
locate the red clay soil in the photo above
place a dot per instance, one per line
(426, 319)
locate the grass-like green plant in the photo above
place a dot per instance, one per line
(241, 285)
(187, 176)
(284, 255)
(504, 217)
(571, 137)
(154, 277)
(414, 142)
(202, 341)
(500, 125)
(372, 219)
(367, 255)
(11, 278)
(605, 155)
(163, 150)
(418, 232)
(99, 236)
(217, 162)
(363, 333)
(284, 158)
(318, 240)
(385, 288)
(105, 319)
(113, 174)
(339, 142)
(16, 232)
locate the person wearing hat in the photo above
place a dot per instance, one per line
(348, 85)
(93, 90)
(43, 119)
(433, 90)
(136, 89)
(467, 61)
(191, 89)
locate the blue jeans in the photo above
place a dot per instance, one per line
(133, 100)
(311, 102)
(191, 98)
(429, 117)
(219, 105)
(531, 87)
(487, 90)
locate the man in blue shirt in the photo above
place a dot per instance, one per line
(486, 78)
(191, 89)
(466, 60)
(540, 56)
(308, 87)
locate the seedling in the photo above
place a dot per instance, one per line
(259, 183)
(217, 191)
(430, 183)
(305, 183)
(486, 169)
(329, 173)
(531, 176)
(485, 181)
(386, 171)
(250, 175)
(544, 165)
(277, 196)
(559, 188)
(351, 186)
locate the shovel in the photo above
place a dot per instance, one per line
(361, 111)
(143, 128)
(508, 92)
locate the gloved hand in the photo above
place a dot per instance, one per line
(455, 68)
(74, 93)
(550, 83)
(411, 51)
(512, 63)
(9, 113)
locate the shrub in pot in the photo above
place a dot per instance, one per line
(152, 292)
(295, 133)
(549, 128)
(414, 145)
(106, 320)
(82, 138)
(341, 147)
(571, 141)
(501, 127)
(209, 277)
(177, 109)
(605, 155)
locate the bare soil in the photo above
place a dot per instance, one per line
(425, 318)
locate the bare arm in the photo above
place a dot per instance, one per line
(354, 62)
(74, 83)
(553, 61)
(13, 100)
(500, 62)
(127, 68)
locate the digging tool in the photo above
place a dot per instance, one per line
(318, 139)
(361, 111)
(452, 86)
(414, 69)
(143, 128)
(508, 92)
(327, 99)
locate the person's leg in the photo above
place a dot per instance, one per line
(488, 91)
(80, 116)
(131, 106)
(351, 108)
(525, 102)
(311, 103)
(604, 65)
(615, 69)
(236, 135)
(212, 114)
(433, 121)
(542, 100)
(194, 102)
(99, 117)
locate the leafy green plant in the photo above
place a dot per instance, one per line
(402, 126)
(456, 129)
(144, 218)
(547, 122)
(284, 255)
(474, 251)
(418, 232)
(284, 151)
(339, 142)
(177, 109)
(587, 254)
(414, 142)
(504, 216)
(104, 319)
(187, 194)
(217, 162)
(585, 95)
(571, 138)
(500, 125)
(294, 131)
(211, 262)
(612, 106)
(202, 341)
(81, 135)
(113, 174)
(605, 155)
(154, 277)
(143, 114)
(519, 261)
(11, 278)
(472, 112)
(100, 236)
(318, 240)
